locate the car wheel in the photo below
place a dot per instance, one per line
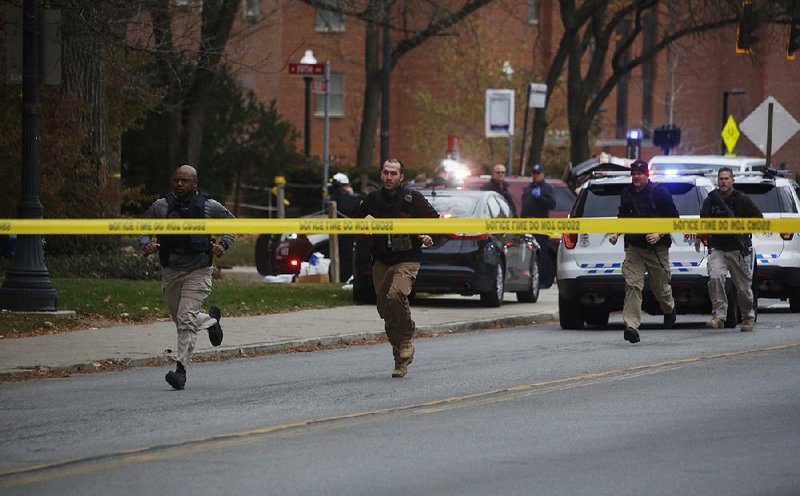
(732, 317)
(263, 254)
(363, 292)
(570, 313)
(794, 301)
(597, 316)
(532, 293)
(494, 298)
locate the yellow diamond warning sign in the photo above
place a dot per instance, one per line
(730, 134)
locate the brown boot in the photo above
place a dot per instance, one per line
(399, 371)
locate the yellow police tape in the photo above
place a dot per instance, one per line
(395, 226)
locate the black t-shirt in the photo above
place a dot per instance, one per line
(740, 205)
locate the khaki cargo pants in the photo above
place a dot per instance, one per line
(654, 260)
(393, 284)
(741, 269)
(184, 293)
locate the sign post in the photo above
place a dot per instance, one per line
(499, 120)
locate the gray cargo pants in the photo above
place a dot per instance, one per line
(654, 260)
(741, 270)
(184, 293)
(393, 284)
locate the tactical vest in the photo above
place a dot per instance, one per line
(184, 243)
(389, 247)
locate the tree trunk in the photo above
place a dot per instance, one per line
(84, 75)
(372, 92)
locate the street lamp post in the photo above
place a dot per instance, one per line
(27, 286)
(725, 95)
(308, 58)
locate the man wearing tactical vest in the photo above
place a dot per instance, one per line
(186, 265)
(645, 252)
(396, 259)
(729, 252)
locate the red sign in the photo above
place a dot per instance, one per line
(307, 70)
(319, 86)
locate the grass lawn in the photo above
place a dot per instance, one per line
(104, 302)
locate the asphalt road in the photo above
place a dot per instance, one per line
(522, 411)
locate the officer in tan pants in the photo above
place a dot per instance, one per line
(396, 259)
(645, 252)
(729, 253)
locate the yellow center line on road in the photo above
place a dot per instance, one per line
(45, 472)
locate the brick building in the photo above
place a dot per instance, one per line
(438, 88)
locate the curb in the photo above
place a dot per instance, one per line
(309, 344)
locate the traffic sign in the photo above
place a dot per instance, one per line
(499, 113)
(307, 70)
(784, 126)
(537, 96)
(730, 134)
(319, 86)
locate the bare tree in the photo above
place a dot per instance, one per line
(603, 33)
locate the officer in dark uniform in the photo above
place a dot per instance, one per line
(186, 266)
(537, 201)
(645, 252)
(396, 259)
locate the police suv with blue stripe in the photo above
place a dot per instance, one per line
(589, 272)
(777, 254)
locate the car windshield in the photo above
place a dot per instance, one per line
(769, 198)
(454, 206)
(602, 200)
(564, 198)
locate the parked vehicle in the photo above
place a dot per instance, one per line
(465, 263)
(777, 255)
(283, 253)
(589, 269)
(668, 164)
(564, 197)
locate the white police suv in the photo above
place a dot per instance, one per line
(589, 272)
(777, 254)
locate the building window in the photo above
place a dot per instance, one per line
(335, 98)
(533, 11)
(250, 10)
(329, 22)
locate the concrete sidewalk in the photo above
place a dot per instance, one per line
(149, 344)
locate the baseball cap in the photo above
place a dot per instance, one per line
(537, 168)
(341, 178)
(639, 166)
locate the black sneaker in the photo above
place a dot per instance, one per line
(177, 378)
(631, 335)
(215, 331)
(669, 319)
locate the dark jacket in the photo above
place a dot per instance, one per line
(738, 204)
(503, 190)
(406, 203)
(537, 206)
(653, 201)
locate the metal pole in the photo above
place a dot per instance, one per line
(307, 144)
(769, 135)
(725, 95)
(524, 134)
(510, 152)
(326, 134)
(386, 83)
(27, 286)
